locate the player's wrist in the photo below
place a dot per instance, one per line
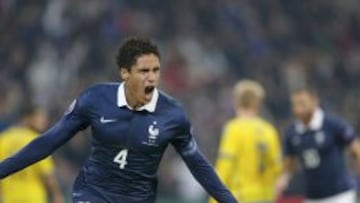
(286, 176)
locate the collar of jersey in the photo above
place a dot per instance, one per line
(121, 100)
(315, 123)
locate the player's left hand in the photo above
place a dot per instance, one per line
(281, 184)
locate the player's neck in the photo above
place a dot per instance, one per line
(131, 99)
(248, 113)
(307, 119)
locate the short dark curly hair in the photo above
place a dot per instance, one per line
(310, 90)
(132, 48)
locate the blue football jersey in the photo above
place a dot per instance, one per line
(126, 147)
(321, 152)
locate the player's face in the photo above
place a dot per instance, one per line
(142, 78)
(304, 105)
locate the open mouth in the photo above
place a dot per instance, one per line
(149, 89)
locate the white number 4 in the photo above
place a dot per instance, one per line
(120, 158)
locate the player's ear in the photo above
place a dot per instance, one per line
(124, 73)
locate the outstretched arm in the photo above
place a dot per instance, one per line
(73, 121)
(40, 147)
(206, 176)
(201, 169)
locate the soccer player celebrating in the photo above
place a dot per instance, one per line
(249, 159)
(31, 185)
(132, 124)
(318, 140)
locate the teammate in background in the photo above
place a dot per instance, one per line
(32, 184)
(318, 141)
(132, 124)
(249, 159)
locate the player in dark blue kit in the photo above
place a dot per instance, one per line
(319, 140)
(132, 124)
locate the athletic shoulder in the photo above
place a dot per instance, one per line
(339, 126)
(173, 109)
(101, 88)
(232, 123)
(97, 91)
(169, 103)
(333, 119)
(267, 125)
(233, 129)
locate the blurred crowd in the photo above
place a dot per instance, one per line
(50, 50)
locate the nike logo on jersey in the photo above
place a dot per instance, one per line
(103, 120)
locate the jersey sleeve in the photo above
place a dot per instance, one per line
(74, 120)
(228, 151)
(344, 131)
(227, 155)
(288, 148)
(185, 144)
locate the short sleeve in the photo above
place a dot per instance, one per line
(288, 147)
(227, 153)
(74, 120)
(228, 145)
(344, 131)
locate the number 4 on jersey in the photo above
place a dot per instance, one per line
(120, 158)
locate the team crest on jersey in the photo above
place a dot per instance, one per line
(153, 134)
(320, 137)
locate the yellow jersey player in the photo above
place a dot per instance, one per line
(30, 185)
(249, 159)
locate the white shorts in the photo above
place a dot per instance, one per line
(344, 197)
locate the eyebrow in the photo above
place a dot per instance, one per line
(149, 68)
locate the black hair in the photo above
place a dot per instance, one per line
(132, 48)
(311, 91)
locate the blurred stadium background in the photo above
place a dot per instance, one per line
(52, 49)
